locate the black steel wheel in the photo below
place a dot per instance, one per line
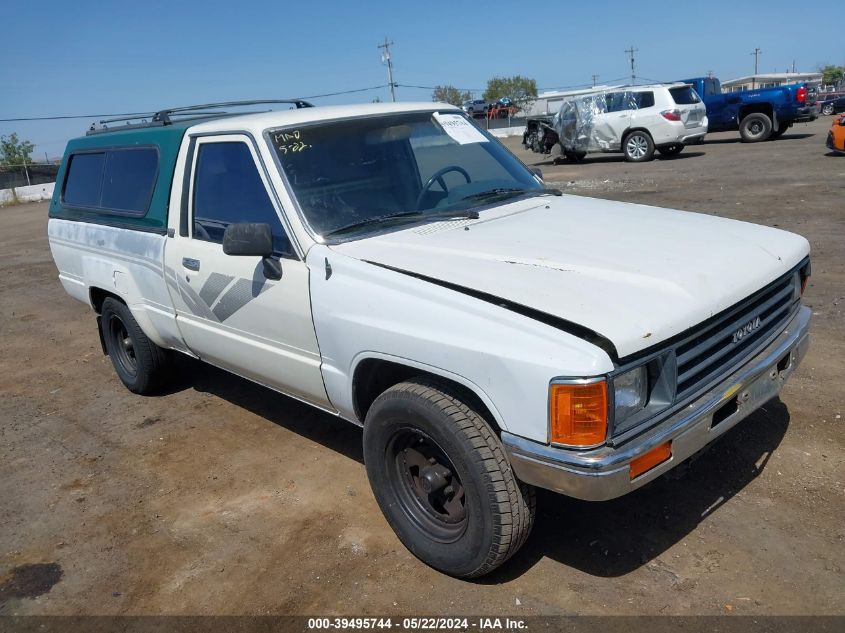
(442, 481)
(123, 346)
(141, 365)
(755, 127)
(426, 484)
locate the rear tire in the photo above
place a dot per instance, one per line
(827, 109)
(638, 147)
(141, 365)
(671, 150)
(755, 127)
(442, 480)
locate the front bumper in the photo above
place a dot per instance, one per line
(604, 473)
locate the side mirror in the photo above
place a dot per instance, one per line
(253, 239)
(248, 238)
(537, 172)
(842, 122)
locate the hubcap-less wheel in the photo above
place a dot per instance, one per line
(124, 346)
(637, 146)
(425, 482)
(755, 128)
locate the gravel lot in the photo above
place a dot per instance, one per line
(221, 497)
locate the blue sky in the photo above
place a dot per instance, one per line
(81, 57)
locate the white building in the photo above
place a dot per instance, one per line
(549, 102)
(769, 80)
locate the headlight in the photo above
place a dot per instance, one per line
(630, 392)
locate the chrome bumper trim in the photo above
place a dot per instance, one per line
(603, 473)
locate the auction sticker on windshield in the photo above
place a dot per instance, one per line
(459, 128)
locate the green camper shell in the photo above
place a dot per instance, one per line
(148, 209)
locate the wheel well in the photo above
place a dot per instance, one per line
(374, 376)
(98, 296)
(761, 108)
(636, 129)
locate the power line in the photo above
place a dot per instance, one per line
(149, 114)
(345, 92)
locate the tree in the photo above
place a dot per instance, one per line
(521, 90)
(14, 152)
(832, 74)
(450, 94)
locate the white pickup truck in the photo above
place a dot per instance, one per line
(396, 266)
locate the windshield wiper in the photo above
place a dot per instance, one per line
(504, 192)
(405, 216)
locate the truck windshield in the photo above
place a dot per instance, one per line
(352, 174)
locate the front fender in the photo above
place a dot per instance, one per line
(506, 358)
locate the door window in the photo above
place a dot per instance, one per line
(621, 101)
(228, 189)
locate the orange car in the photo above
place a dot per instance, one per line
(836, 138)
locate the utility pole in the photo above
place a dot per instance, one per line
(594, 80)
(631, 52)
(756, 54)
(385, 59)
(793, 67)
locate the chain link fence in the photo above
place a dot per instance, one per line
(29, 174)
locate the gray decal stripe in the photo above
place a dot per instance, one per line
(236, 297)
(213, 286)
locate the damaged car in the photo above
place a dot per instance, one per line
(633, 120)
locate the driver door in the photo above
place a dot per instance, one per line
(228, 312)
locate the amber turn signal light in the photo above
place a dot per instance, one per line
(654, 457)
(578, 414)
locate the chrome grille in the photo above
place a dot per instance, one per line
(710, 351)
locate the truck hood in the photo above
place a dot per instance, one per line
(635, 274)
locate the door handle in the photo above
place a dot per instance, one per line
(191, 263)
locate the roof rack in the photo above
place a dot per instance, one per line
(166, 117)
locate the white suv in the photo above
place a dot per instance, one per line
(634, 120)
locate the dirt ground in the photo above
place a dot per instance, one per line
(221, 497)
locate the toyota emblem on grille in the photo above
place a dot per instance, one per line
(746, 329)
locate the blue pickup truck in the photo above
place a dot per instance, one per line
(758, 114)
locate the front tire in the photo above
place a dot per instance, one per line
(638, 147)
(442, 480)
(141, 365)
(755, 127)
(827, 109)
